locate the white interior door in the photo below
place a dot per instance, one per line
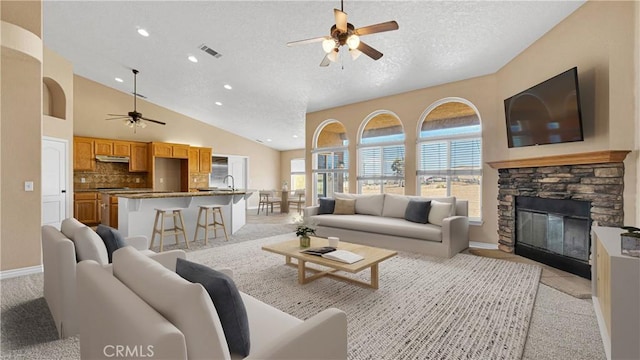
(54, 181)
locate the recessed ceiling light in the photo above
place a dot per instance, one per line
(295, 136)
(227, 86)
(193, 59)
(218, 103)
(143, 32)
(269, 140)
(119, 80)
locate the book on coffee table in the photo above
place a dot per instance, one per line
(343, 256)
(319, 251)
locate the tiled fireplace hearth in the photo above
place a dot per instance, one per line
(594, 179)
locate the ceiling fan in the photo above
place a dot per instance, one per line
(134, 119)
(344, 33)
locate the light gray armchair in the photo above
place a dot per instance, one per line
(61, 249)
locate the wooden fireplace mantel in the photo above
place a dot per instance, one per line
(596, 157)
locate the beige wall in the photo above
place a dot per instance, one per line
(637, 99)
(21, 124)
(598, 38)
(93, 101)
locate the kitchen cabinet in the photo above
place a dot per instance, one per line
(112, 147)
(83, 154)
(199, 160)
(166, 150)
(615, 285)
(86, 207)
(113, 212)
(139, 161)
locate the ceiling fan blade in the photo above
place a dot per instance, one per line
(325, 61)
(118, 118)
(341, 20)
(153, 121)
(307, 41)
(117, 115)
(377, 28)
(369, 51)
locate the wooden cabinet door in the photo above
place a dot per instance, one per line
(86, 207)
(180, 151)
(139, 158)
(205, 160)
(121, 148)
(113, 212)
(103, 147)
(162, 150)
(83, 155)
(194, 160)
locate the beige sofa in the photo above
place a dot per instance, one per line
(379, 220)
(61, 249)
(150, 311)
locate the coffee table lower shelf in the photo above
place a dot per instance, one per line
(304, 279)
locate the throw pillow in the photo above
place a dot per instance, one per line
(326, 206)
(226, 299)
(89, 246)
(417, 211)
(112, 239)
(345, 207)
(438, 212)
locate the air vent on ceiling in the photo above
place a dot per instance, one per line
(210, 51)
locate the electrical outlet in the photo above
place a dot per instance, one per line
(161, 180)
(137, 180)
(195, 180)
(28, 186)
(83, 180)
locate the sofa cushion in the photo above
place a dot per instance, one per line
(89, 246)
(326, 205)
(345, 207)
(112, 239)
(395, 205)
(365, 204)
(381, 225)
(226, 299)
(69, 227)
(417, 211)
(186, 305)
(439, 211)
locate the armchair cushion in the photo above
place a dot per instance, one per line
(112, 239)
(227, 301)
(89, 246)
(417, 211)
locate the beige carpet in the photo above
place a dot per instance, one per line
(466, 307)
(568, 283)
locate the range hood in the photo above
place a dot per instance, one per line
(113, 159)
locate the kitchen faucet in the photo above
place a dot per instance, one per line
(233, 182)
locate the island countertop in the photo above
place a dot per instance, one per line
(161, 195)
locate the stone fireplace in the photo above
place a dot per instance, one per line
(591, 183)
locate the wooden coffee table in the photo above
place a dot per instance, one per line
(372, 257)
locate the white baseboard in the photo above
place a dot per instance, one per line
(20, 272)
(482, 245)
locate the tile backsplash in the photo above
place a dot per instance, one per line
(110, 175)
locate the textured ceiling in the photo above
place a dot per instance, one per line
(274, 86)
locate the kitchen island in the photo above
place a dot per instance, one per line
(136, 211)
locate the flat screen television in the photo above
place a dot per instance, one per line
(548, 113)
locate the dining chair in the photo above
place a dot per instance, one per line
(298, 199)
(268, 199)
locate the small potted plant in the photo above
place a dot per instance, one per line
(630, 244)
(303, 230)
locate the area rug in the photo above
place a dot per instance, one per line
(466, 307)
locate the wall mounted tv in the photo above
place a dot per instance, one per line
(548, 113)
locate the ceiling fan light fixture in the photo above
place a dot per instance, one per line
(353, 41)
(328, 45)
(355, 53)
(333, 56)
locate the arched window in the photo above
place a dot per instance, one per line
(449, 153)
(381, 155)
(330, 159)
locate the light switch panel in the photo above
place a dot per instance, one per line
(28, 186)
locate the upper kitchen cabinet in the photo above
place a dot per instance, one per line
(83, 154)
(112, 147)
(166, 150)
(200, 160)
(139, 161)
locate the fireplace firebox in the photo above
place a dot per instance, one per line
(555, 232)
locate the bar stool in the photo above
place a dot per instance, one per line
(214, 224)
(177, 229)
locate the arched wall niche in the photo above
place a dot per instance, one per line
(54, 100)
